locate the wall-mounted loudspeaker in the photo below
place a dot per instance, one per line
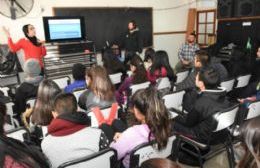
(225, 9)
(244, 8)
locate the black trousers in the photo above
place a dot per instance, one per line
(110, 130)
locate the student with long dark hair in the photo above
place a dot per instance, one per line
(138, 76)
(160, 67)
(151, 112)
(148, 57)
(159, 163)
(31, 45)
(16, 154)
(41, 113)
(250, 134)
(112, 63)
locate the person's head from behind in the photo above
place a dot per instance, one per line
(159, 163)
(2, 117)
(99, 83)
(132, 25)
(149, 109)
(191, 38)
(64, 103)
(149, 55)
(47, 91)
(201, 59)
(32, 68)
(29, 30)
(138, 70)
(250, 134)
(207, 79)
(78, 71)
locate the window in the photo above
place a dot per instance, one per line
(206, 22)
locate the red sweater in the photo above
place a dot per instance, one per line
(157, 74)
(30, 50)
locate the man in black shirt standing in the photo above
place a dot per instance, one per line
(133, 41)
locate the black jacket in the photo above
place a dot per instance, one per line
(133, 41)
(200, 120)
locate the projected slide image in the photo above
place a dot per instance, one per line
(65, 29)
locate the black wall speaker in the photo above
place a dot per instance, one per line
(243, 8)
(225, 9)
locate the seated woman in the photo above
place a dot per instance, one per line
(100, 91)
(29, 87)
(16, 154)
(111, 63)
(150, 110)
(138, 76)
(40, 114)
(160, 67)
(250, 134)
(148, 57)
(78, 73)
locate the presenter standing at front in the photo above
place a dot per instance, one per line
(133, 41)
(31, 45)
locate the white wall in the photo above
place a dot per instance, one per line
(168, 15)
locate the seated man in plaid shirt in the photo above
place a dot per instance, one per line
(186, 53)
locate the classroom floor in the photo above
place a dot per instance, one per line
(221, 160)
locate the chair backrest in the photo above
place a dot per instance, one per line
(31, 102)
(163, 83)
(225, 118)
(147, 151)
(77, 93)
(105, 112)
(17, 133)
(228, 85)
(5, 90)
(253, 110)
(243, 81)
(116, 78)
(103, 159)
(136, 87)
(9, 114)
(181, 76)
(174, 100)
(62, 82)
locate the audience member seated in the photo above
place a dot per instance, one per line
(256, 69)
(117, 52)
(245, 102)
(29, 87)
(186, 53)
(111, 63)
(14, 153)
(138, 76)
(69, 134)
(250, 134)
(160, 67)
(148, 57)
(219, 67)
(239, 63)
(78, 73)
(159, 163)
(199, 121)
(201, 60)
(40, 115)
(100, 91)
(150, 110)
